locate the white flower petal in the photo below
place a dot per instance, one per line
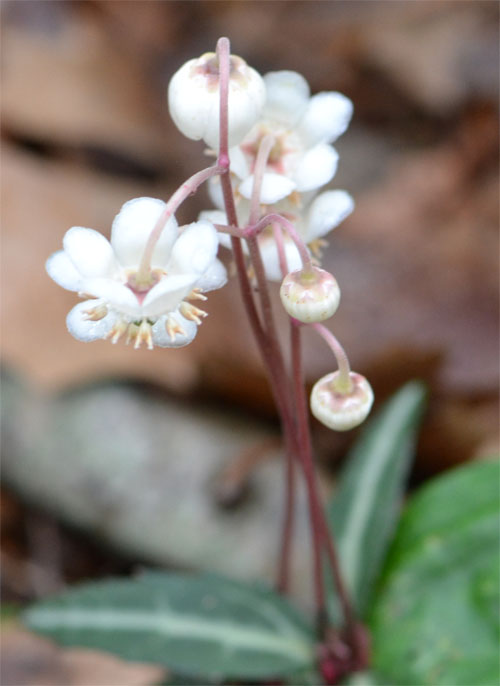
(239, 164)
(116, 294)
(163, 340)
(274, 187)
(287, 96)
(215, 192)
(194, 250)
(90, 252)
(167, 295)
(326, 212)
(132, 227)
(326, 118)
(270, 257)
(317, 167)
(214, 277)
(85, 329)
(213, 216)
(60, 268)
(193, 97)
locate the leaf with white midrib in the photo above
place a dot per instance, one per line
(193, 624)
(364, 509)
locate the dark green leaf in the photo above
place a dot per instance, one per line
(365, 507)
(436, 618)
(193, 624)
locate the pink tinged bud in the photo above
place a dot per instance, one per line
(341, 403)
(310, 295)
(193, 99)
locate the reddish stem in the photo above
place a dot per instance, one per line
(256, 228)
(305, 457)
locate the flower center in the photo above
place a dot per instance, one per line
(141, 287)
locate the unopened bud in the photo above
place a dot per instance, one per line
(310, 295)
(193, 99)
(341, 404)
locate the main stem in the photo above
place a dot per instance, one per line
(305, 456)
(295, 425)
(355, 637)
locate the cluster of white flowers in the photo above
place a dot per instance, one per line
(279, 108)
(301, 161)
(140, 283)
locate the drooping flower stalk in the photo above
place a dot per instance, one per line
(188, 188)
(256, 228)
(344, 380)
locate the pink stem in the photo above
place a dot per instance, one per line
(290, 228)
(338, 351)
(278, 238)
(290, 478)
(223, 50)
(188, 188)
(308, 468)
(265, 147)
(231, 230)
(320, 519)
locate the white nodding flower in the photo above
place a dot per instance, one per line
(193, 99)
(153, 308)
(312, 222)
(303, 128)
(310, 294)
(341, 404)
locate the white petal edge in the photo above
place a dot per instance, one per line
(215, 192)
(115, 294)
(195, 249)
(90, 252)
(60, 268)
(270, 258)
(316, 168)
(287, 96)
(275, 187)
(215, 277)
(132, 227)
(326, 118)
(326, 212)
(167, 295)
(163, 340)
(84, 329)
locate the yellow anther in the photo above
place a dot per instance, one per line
(95, 313)
(317, 245)
(173, 328)
(132, 334)
(196, 294)
(191, 312)
(145, 335)
(117, 331)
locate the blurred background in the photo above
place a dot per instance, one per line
(113, 458)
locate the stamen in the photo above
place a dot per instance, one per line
(132, 334)
(191, 312)
(117, 331)
(196, 294)
(173, 328)
(316, 247)
(145, 335)
(94, 314)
